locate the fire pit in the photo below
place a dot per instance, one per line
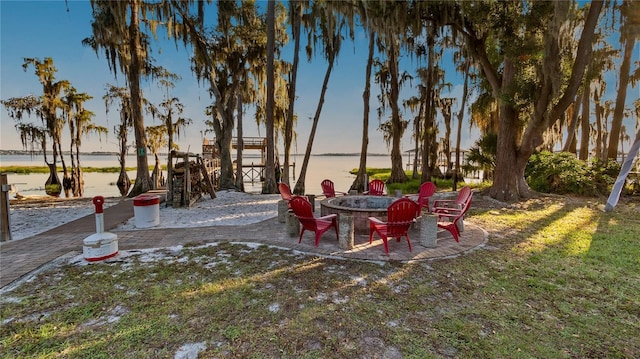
(361, 207)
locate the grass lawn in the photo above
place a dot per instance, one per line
(558, 278)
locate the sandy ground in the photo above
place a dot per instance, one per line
(36, 215)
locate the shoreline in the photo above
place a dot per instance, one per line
(97, 183)
(103, 153)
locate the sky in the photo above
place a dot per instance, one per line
(39, 29)
(54, 29)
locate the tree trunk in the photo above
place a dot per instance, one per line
(155, 176)
(79, 182)
(75, 178)
(447, 135)
(465, 92)
(270, 185)
(508, 182)
(428, 132)
(143, 180)
(66, 178)
(417, 133)
(239, 176)
(359, 183)
(616, 124)
(585, 127)
(599, 130)
(169, 126)
(299, 189)
(52, 186)
(288, 125)
(397, 171)
(570, 144)
(123, 183)
(224, 135)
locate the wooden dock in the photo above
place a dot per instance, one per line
(251, 173)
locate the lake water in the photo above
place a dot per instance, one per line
(335, 168)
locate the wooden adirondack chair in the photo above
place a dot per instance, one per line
(401, 214)
(302, 209)
(376, 188)
(328, 189)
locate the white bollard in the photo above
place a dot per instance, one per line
(100, 245)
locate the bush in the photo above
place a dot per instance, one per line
(604, 175)
(563, 173)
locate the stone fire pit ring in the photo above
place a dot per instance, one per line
(360, 207)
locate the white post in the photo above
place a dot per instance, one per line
(614, 196)
(98, 201)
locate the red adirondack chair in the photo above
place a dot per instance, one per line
(453, 216)
(427, 190)
(302, 209)
(400, 215)
(449, 205)
(376, 188)
(285, 192)
(328, 189)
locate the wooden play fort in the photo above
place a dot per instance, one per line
(189, 178)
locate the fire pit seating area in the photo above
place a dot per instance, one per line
(366, 213)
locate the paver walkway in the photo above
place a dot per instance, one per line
(19, 258)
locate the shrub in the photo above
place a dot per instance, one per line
(604, 174)
(563, 173)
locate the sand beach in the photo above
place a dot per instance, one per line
(36, 214)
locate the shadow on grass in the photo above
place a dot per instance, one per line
(562, 273)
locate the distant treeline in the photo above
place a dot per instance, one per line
(100, 153)
(39, 153)
(350, 154)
